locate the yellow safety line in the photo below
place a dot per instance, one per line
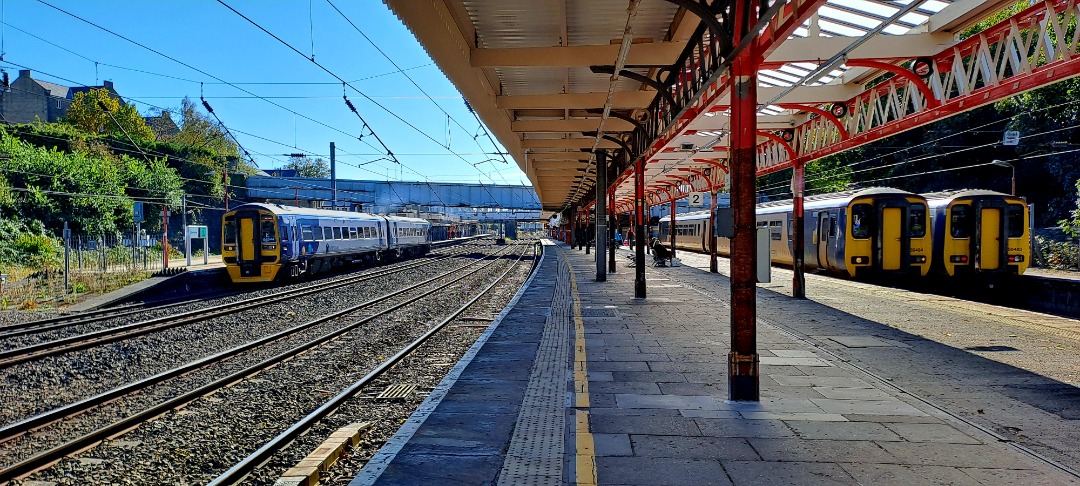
(586, 455)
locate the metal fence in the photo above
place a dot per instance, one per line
(113, 253)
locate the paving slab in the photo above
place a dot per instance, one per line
(658, 411)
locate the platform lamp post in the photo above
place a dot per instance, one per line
(1002, 163)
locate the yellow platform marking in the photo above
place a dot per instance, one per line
(585, 469)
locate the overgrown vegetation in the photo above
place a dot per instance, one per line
(89, 169)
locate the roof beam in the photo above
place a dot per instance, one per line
(566, 165)
(566, 143)
(586, 125)
(648, 54)
(542, 156)
(620, 99)
(829, 93)
(809, 49)
(962, 13)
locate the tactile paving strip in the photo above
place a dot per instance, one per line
(536, 451)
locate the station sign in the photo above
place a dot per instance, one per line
(1011, 137)
(696, 199)
(137, 209)
(194, 232)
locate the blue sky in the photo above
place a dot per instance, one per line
(207, 36)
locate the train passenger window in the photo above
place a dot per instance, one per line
(961, 222)
(307, 233)
(832, 226)
(337, 232)
(268, 231)
(367, 232)
(352, 233)
(328, 234)
(230, 232)
(917, 221)
(1015, 213)
(775, 230)
(862, 221)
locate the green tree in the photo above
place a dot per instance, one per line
(97, 112)
(309, 167)
(91, 191)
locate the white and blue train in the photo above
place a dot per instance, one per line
(261, 242)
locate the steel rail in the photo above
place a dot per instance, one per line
(243, 468)
(104, 336)
(16, 429)
(61, 322)
(46, 458)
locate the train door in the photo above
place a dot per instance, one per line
(248, 245)
(824, 223)
(892, 222)
(989, 227)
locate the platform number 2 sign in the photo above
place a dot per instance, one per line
(697, 199)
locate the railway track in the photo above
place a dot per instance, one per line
(249, 464)
(95, 338)
(44, 459)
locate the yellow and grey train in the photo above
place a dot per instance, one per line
(879, 231)
(262, 242)
(979, 232)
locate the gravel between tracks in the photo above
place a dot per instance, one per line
(195, 443)
(58, 380)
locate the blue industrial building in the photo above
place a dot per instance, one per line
(478, 202)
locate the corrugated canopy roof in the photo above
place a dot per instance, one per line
(526, 66)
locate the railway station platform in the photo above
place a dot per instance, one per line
(197, 272)
(578, 382)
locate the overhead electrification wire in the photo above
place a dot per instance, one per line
(69, 51)
(414, 83)
(313, 61)
(344, 82)
(838, 170)
(189, 66)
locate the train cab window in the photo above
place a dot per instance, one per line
(1015, 213)
(268, 231)
(862, 221)
(961, 222)
(775, 230)
(337, 232)
(307, 234)
(230, 231)
(284, 232)
(917, 221)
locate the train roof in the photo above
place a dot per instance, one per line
(941, 198)
(324, 213)
(810, 202)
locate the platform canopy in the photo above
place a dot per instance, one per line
(556, 80)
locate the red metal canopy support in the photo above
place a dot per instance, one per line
(743, 381)
(639, 230)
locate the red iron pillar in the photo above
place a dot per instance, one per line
(743, 382)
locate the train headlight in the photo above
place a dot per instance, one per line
(958, 259)
(1016, 258)
(269, 247)
(860, 260)
(230, 247)
(918, 259)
